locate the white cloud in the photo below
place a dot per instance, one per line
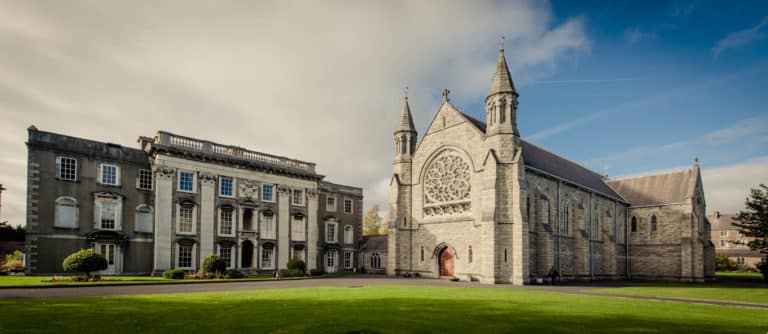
(727, 187)
(320, 83)
(740, 38)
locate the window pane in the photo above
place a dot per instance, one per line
(185, 181)
(185, 219)
(226, 254)
(108, 215)
(226, 222)
(145, 179)
(266, 192)
(348, 206)
(226, 186)
(67, 168)
(108, 174)
(185, 256)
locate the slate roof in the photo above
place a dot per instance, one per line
(656, 189)
(721, 221)
(546, 161)
(375, 243)
(62, 143)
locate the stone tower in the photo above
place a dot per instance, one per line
(502, 221)
(400, 217)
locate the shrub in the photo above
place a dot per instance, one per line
(214, 264)
(85, 261)
(174, 274)
(292, 273)
(234, 273)
(13, 262)
(763, 267)
(722, 263)
(316, 272)
(296, 263)
(454, 279)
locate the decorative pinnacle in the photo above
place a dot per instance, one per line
(445, 94)
(406, 93)
(501, 44)
(696, 161)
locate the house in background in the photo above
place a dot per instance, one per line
(729, 241)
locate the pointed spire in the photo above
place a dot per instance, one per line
(502, 80)
(406, 120)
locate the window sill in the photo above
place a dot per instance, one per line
(68, 180)
(185, 233)
(66, 228)
(227, 196)
(110, 185)
(143, 189)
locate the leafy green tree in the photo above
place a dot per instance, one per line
(13, 262)
(214, 264)
(722, 263)
(753, 222)
(372, 221)
(85, 261)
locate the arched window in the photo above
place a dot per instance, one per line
(502, 117)
(469, 255)
(633, 224)
(653, 223)
(144, 219)
(66, 215)
(566, 220)
(348, 235)
(505, 255)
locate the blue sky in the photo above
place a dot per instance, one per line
(650, 78)
(641, 85)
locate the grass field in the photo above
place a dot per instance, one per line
(374, 309)
(738, 276)
(32, 281)
(755, 295)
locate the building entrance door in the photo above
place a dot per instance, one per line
(446, 262)
(111, 252)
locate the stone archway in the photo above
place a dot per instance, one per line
(446, 262)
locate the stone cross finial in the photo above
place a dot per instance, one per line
(406, 93)
(445, 94)
(696, 161)
(501, 44)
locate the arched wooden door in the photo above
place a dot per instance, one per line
(446, 262)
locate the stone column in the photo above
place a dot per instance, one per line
(313, 232)
(163, 218)
(207, 213)
(283, 226)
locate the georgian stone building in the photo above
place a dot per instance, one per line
(179, 199)
(730, 242)
(475, 201)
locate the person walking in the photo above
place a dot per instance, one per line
(553, 274)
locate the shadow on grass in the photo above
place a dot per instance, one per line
(372, 310)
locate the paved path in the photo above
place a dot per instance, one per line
(28, 293)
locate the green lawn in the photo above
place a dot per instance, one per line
(755, 295)
(375, 309)
(31, 281)
(730, 286)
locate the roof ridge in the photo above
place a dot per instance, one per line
(652, 173)
(564, 158)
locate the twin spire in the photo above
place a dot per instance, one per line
(502, 80)
(500, 83)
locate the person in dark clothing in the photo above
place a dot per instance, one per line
(553, 274)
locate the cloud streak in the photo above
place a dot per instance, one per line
(740, 38)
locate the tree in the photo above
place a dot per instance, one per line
(753, 222)
(214, 264)
(85, 261)
(372, 221)
(722, 263)
(13, 262)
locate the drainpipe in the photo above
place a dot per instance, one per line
(559, 222)
(591, 232)
(626, 238)
(616, 234)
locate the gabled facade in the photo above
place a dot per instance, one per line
(475, 201)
